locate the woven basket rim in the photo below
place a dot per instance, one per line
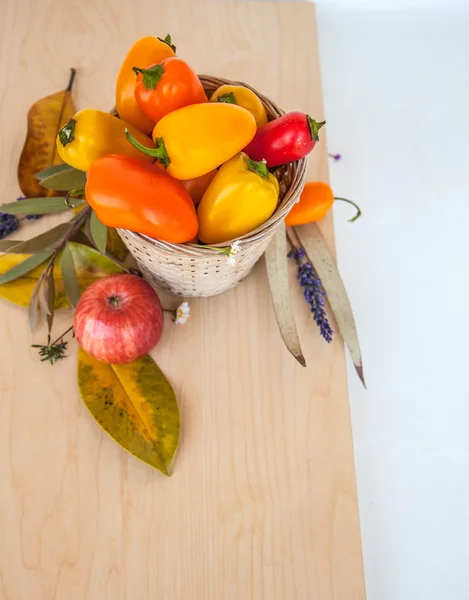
(291, 196)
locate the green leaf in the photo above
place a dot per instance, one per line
(277, 272)
(50, 300)
(69, 276)
(49, 172)
(25, 266)
(98, 233)
(8, 245)
(90, 265)
(320, 256)
(35, 206)
(33, 304)
(66, 180)
(135, 405)
(41, 242)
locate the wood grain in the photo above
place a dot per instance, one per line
(263, 502)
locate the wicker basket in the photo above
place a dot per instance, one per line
(192, 271)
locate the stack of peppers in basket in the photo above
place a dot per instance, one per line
(204, 174)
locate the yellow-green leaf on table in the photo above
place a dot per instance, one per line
(21, 267)
(277, 271)
(90, 265)
(320, 256)
(135, 405)
(115, 245)
(45, 118)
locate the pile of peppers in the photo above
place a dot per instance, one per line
(176, 165)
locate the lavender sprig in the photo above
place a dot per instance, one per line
(313, 292)
(8, 224)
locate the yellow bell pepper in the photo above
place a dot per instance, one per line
(92, 134)
(242, 196)
(242, 96)
(194, 140)
(144, 53)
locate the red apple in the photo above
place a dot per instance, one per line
(118, 319)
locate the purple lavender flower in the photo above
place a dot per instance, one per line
(29, 217)
(313, 292)
(8, 224)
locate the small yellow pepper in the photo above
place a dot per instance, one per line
(242, 96)
(94, 133)
(196, 139)
(242, 196)
(144, 53)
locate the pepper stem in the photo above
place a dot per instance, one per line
(228, 98)
(151, 76)
(259, 167)
(167, 40)
(67, 133)
(314, 127)
(359, 210)
(159, 152)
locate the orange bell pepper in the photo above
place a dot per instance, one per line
(315, 202)
(196, 139)
(131, 194)
(146, 51)
(167, 86)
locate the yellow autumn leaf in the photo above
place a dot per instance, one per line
(90, 265)
(135, 405)
(45, 118)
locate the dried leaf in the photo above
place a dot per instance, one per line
(319, 254)
(67, 179)
(41, 242)
(277, 272)
(36, 206)
(45, 118)
(18, 268)
(98, 232)
(135, 405)
(90, 265)
(69, 276)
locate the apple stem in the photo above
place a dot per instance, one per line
(115, 301)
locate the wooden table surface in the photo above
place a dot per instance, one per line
(262, 504)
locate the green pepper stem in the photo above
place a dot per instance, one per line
(359, 210)
(151, 76)
(314, 127)
(228, 98)
(159, 152)
(259, 167)
(67, 133)
(167, 40)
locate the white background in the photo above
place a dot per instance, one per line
(396, 87)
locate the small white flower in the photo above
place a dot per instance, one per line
(232, 253)
(182, 313)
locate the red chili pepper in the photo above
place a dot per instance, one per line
(285, 139)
